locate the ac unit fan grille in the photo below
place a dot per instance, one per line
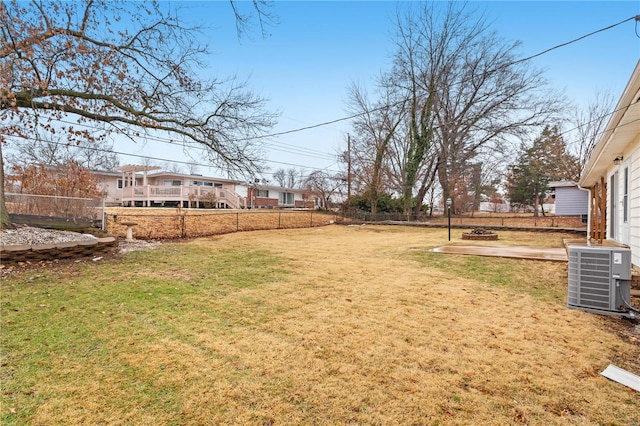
(589, 276)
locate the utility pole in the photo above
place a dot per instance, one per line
(348, 167)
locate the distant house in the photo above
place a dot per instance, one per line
(148, 186)
(612, 175)
(110, 183)
(263, 196)
(495, 204)
(134, 185)
(570, 200)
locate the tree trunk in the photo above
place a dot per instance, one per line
(427, 184)
(422, 192)
(4, 214)
(420, 136)
(443, 178)
(374, 204)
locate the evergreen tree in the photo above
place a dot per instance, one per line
(545, 161)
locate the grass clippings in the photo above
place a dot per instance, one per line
(330, 325)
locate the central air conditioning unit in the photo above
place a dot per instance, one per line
(600, 280)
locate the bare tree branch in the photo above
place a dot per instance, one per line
(100, 61)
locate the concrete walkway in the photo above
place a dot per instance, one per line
(519, 252)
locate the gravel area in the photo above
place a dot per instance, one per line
(30, 236)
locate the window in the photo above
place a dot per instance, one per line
(263, 193)
(286, 198)
(217, 185)
(119, 186)
(172, 182)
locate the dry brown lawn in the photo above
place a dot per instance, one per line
(358, 325)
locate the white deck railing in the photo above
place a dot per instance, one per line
(158, 193)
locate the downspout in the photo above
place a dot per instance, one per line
(588, 213)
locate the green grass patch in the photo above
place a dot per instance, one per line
(542, 280)
(75, 325)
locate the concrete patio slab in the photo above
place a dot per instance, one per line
(518, 252)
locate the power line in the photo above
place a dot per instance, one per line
(188, 163)
(337, 120)
(350, 117)
(636, 18)
(279, 146)
(278, 162)
(603, 116)
(326, 123)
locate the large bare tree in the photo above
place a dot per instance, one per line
(290, 178)
(589, 124)
(325, 185)
(374, 129)
(117, 66)
(417, 76)
(412, 163)
(54, 150)
(469, 89)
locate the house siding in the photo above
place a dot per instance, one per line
(304, 204)
(265, 202)
(109, 184)
(571, 201)
(634, 200)
(620, 140)
(274, 200)
(630, 237)
(634, 207)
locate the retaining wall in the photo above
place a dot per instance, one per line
(67, 250)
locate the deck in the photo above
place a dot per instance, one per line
(194, 195)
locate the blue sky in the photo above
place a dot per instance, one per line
(317, 49)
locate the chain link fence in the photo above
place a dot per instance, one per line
(156, 223)
(475, 220)
(55, 212)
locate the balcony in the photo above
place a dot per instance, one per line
(189, 195)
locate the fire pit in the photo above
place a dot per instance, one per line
(480, 234)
